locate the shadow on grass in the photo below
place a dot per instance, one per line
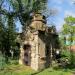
(37, 72)
(65, 68)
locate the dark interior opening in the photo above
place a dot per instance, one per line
(26, 47)
(27, 55)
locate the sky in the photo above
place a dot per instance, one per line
(64, 8)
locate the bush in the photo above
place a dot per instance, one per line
(72, 57)
(13, 62)
(68, 57)
(2, 61)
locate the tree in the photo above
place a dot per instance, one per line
(1, 34)
(69, 30)
(7, 35)
(10, 35)
(21, 9)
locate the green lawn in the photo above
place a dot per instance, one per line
(55, 72)
(16, 70)
(24, 70)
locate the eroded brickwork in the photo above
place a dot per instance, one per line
(35, 49)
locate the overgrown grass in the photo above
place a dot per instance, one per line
(50, 71)
(13, 68)
(16, 70)
(25, 70)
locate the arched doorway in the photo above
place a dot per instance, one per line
(27, 54)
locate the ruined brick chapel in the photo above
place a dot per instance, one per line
(36, 47)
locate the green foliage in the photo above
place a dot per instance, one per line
(7, 36)
(70, 56)
(28, 5)
(20, 9)
(11, 31)
(66, 29)
(69, 27)
(70, 20)
(65, 54)
(2, 61)
(23, 8)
